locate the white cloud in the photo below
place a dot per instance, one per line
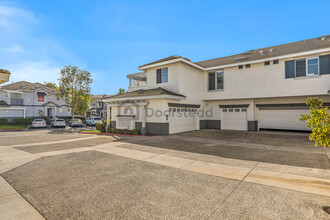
(14, 48)
(12, 18)
(34, 72)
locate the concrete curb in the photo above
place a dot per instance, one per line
(111, 134)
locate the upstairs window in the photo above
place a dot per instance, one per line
(247, 65)
(267, 63)
(275, 61)
(216, 80)
(162, 75)
(300, 68)
(313, 66)
(240, 67)
(303, 67)
(41, 98)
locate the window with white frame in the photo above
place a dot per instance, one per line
(313, 66)
(302, 67)
(5, 95)
(216, 80)
(162, 75)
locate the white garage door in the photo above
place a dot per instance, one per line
(286, 119)
(234, 119)
(180, 122)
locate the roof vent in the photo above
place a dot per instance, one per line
(271, 50)
(323, 38)
(240, 58)
(261, 52)
(247, 52)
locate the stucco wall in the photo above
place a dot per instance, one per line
(261, 81)
(173, 78)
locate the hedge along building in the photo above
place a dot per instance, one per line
(258, 89)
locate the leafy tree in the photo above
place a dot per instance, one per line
(319, 120)
(74, 88)
(50, 84)
(121, 91)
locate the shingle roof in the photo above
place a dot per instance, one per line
(4, 71)
(269, 52)
(99, 97)
(146, 92)
(165, 59)
(3, 103)
(24, 85)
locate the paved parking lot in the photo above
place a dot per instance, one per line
(194, 175)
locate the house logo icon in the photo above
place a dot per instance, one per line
(129, 108)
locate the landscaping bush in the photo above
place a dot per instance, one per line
(3, 121)
(22, 121)
(135, 131)
(102, 127)
(113, 131)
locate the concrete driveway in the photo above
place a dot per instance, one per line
(185, 176)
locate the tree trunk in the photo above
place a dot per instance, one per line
(72, 113)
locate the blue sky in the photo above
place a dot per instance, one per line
(112, 38)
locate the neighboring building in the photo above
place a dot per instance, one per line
(4, 76)
(30, 100)
(97, 108)
(259, 89)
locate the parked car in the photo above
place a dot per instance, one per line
(39, 123)
(75, 123)
(58, 123)
(93, 121)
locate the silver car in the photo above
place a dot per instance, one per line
(39, 123)
(58, 123)
(75, 123)
(93, 121)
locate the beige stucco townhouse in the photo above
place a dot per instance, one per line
(259, 89)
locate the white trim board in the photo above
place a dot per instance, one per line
(292, 55)
(146, 97)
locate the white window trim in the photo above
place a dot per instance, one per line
(161, 75)
(318, 66)
(307, 75)
(215, 81)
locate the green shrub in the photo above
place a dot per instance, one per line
(22, 121)
(113, 131)
(102, 127)
(3, 121)
(135, 131)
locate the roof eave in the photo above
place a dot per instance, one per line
(165, 96)
(291, 55)
(170, 62)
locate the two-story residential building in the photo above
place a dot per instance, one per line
(97, 108)
(4, 76)
(30, 100)
(265, 88)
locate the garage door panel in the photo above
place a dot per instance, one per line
(181, 124)
(234, 120)
(286, 119)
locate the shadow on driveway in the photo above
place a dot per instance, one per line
(280, 147)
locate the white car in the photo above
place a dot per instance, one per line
(39, 123)
(58, 123)
(93, 121)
